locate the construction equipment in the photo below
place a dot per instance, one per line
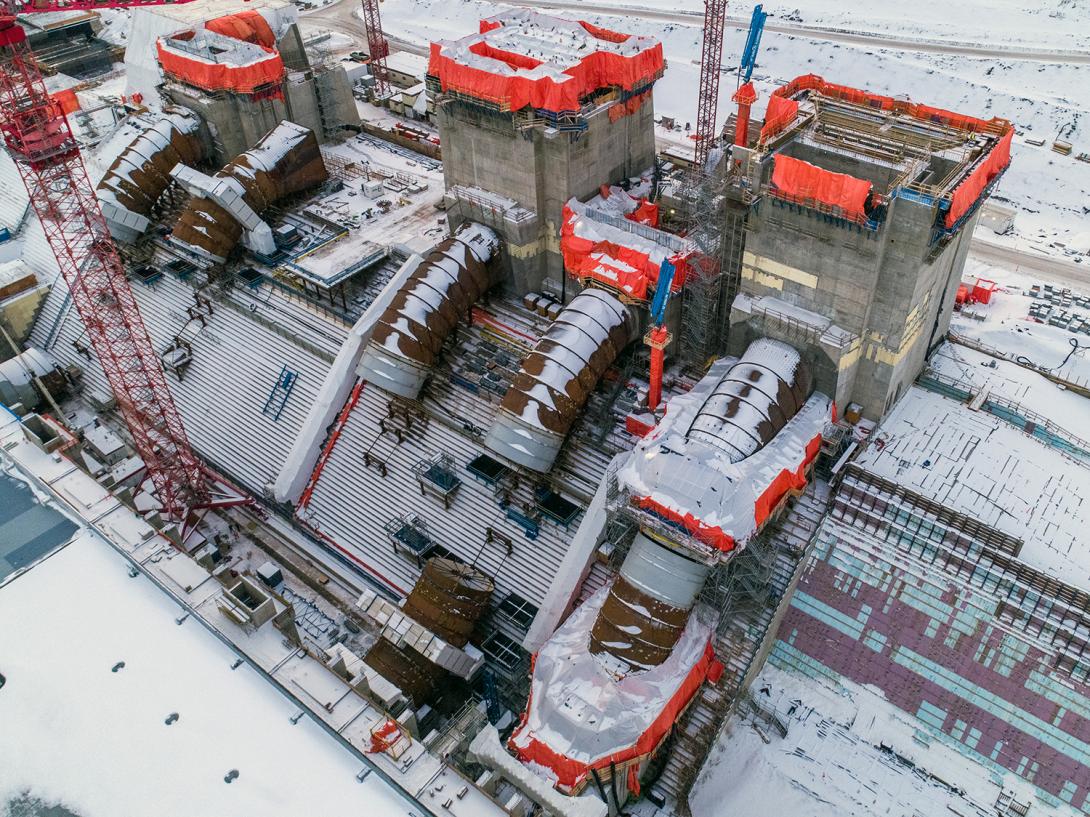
(657, 337)
(40, 141)
(378, 48)
(745, 94)
(711, 59)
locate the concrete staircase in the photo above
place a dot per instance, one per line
(746, 630)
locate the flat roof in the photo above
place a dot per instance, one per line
(979, 465)
(100, 657)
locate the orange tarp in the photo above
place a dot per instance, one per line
(966, 193)
(65, 100)
(803, 182)
(221, 76)
(571, 772)
(624, 268)
(245, 25)
(598, 69)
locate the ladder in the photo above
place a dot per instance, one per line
(280, 393)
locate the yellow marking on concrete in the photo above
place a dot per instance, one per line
(766, 265)
(849, 358)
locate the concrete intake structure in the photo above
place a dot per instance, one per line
(141, 172)
(286, 161)
(406, 340)
(557, 377)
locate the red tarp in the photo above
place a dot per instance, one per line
(803, 182)
(645, 213)
(776, 122)
(599, 69)
(65, 100)
(710, 535)
(570, 773)
(617, 266)
(966, 193)
(245, 25)
(221, 76)
(780, 113)
(619, 110)
(784, 482)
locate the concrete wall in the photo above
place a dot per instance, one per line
(889, 288)
(540, 169)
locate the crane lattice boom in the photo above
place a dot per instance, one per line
(40, 141)
(377, 47)
(711, 59)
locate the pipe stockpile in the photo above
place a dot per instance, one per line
(406, 340)
(557, 377)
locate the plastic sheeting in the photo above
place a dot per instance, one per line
(581, 716)
(476, 66)
(630, 269)
(704, 490)
(248, 25)
(802, 182)
(245, 78)
(966, 193)
(776, 118)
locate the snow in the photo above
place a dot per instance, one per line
(117, 753)
(1040, 98)
(582, 710)
(847, 751)
(977, 464)
(1007, 327)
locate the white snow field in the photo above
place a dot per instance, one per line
(74, 732)
(1041, 98)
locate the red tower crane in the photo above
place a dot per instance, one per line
(711, 61)
(377, 47)
(40, 141)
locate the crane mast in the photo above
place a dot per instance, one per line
(377, 47)
(711, 59)
(40, 141)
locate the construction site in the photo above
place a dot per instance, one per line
(540, 470)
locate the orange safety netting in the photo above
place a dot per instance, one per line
(599, 69)
(711, 535)
(802, 182)
(625, 268)
(249, 26)
(620, 110)
(604, 33)
(219, 76)
(570, 773)
(966, 193)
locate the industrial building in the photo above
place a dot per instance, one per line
(587, 438)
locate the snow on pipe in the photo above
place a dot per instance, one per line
(141, 172)
(753, 400)
(556, 378)
(648, 605)
(407, 338)
(287, 160)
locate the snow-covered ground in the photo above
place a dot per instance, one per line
(99, 740)
(1004, 324)
(1040, 98)
(847, 752)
